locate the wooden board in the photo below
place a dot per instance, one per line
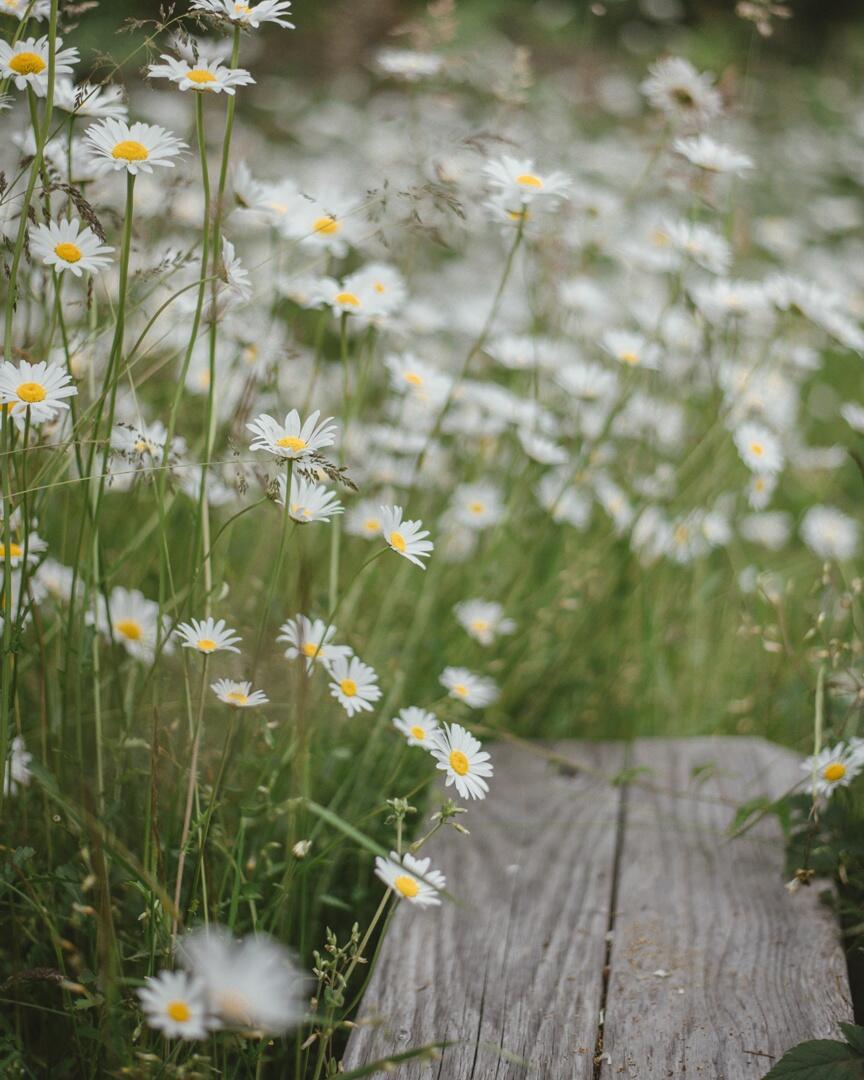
(714, 969)
(513, 971)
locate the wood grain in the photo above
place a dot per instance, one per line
(513, 971)
(751, 969)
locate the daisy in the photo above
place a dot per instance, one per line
(631, 350)
(66, 245)
(207, 636)
(204, 75)
(483, 620)
(131, 620)
(311, 638)
(829, 533)
(518, 177)
(408, 64)
(18, 767)
(679, 91)
(251, 983)
(26, 62)
(411, 879)
(385, 282)
(759, 448)
(760, 489)
(475, 690)
(364, 519)
(88, 99)
(703, 152)
(251, 15)
(853, 414)
(477, 505)
(832, 768)
(26, 9)
(292, 439)
(117, 145)
(417, 725)
(704, 245)
(417, 379)
(354, 684)
(329, 224)
(176, 1004)
(406, 538)
(309, 502)
(236, 276)
(42, 388)
(460, 757)
(349, 297)
(239, 695)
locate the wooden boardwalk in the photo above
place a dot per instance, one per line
(611, 933)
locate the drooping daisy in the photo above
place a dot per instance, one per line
(67, 245)
(463, 761)
(117, 145)
(312, 639)
(710, 156)
(131, 620)
(292, 439)
(26, 62)
(518, 177)
(251, 15)
(207, 636)
(239, 695)
(310, 502)
(42, 388)
(682, 93)
(830, 533)
(475, 690)
(417, 725)
(251, 983)
(759, 448)
(406, 538)
(353, 684)
(204, 75)
(632, 350)
(175, 1003)
(411, 879)
(832, 767)
(483, 620)
(17, 773)
(236, 276)
(90, 99)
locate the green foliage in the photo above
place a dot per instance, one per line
(824, 1059)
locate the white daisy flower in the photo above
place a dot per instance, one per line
(411, 879)
(760, 489)
(42, 388)
(406, 538)
(541, 449)
(131, 620)
(236, 275)
(631, 349)
(17, 773)
(832, 767)
(66, 245)
(475, 690)
(251, 983)
(14, 550)
(461, 758)
(408, 64)
(204, 75)
(331, 223)
(26, 9)
(239, 695)
(354, 684)
(417, 379)
(417, 725)
(26, 63)
(703, 152)
(759, 448)
(293, 439)
(385, 282)
(364, 519)
(357, 297)
(483, 620)
(251, 15)
(312, 639)
(176, 1004)
(477, 505)
(207, 636)
(518, 177)
(115, 145)
(679, 91)
(853, 414)
(310, 502)
(89, 99)
(830, 533)
(704, 245)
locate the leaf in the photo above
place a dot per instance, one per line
(346, 828)
(854, 1036)
(820, 1059)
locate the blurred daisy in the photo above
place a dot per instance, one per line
(679, 91)
(26, 63)
(461, 758)
(117, 145)
(203, 75)
(292, 439)
(310, 502)
(364, 519)
(831, 768)
(66, 245)
(132, 621)
(239, 695)
(406, 538)
(475, 690)
(89, 99)
(703, 152)
(518, 177)
(417, 725)
(207, 636)
(17, 772)
(830, 533)
(176, 1004)
(353, 684)
(408, 64)
(477, 505)
(411, 879)
(417, 379)
(631, 350)
(251, 15)
(483, 620)
(26, 9)
(313, 639)
(42, 388)
(759, 448)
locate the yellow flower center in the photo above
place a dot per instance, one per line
(397, 541)
(480, 625)
(379, 287)
(348, 299)
(242, 9)
(236, 697)
(476, 507)
(291, 442)
(413, 378)
(32, 392)
(458, 762)
(529, 180)
(629, 357)
(179, 1011)
(348, 687)
(129, 628)
(200, 76)
(27, 63)
(407, 886)
(681, 534)
(418, 732)
(207, 645)
(13, 551)
(757, 448)
(130, 150)
(660, 238)
(372, 525)
(70, 253)
(327, 225)
(834, 772)
(461, 689)
(309, 649)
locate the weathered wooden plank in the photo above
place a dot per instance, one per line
(751, 969)
(512, 972)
